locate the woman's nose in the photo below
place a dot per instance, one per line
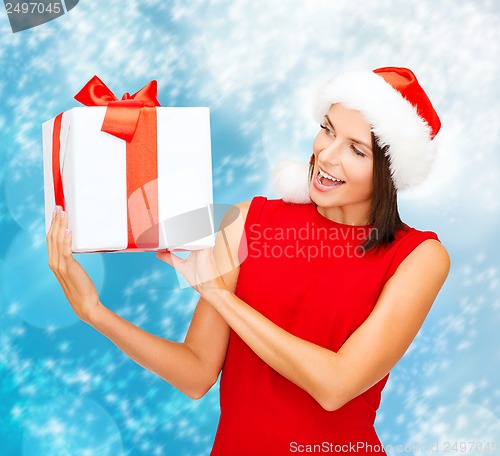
(331, 153)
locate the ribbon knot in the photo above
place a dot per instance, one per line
(122, 116)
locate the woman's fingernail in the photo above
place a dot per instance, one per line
(63, 214)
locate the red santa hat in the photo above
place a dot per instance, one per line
(400, 113)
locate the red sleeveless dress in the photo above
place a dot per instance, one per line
(302, 271)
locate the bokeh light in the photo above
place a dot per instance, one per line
(70, 425)
(31, 289)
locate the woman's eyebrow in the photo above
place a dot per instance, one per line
(361, 142)
(369, 147)
(328, 120)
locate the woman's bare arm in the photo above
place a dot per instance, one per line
(334, 378)
(191, 366)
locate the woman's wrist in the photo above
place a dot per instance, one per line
(92, 316)
(213, 292)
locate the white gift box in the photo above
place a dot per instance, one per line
(94, 177)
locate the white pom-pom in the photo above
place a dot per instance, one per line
(290, 181)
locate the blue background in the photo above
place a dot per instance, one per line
(66, 389)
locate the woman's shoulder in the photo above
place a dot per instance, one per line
(416, 243)
(257, 204)
(429, 239)
(244, 206)
(409, 233)
(409, 238)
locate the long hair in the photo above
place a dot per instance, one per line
(384, 214)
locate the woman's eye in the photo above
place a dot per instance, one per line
(328, 131)
(358, 152)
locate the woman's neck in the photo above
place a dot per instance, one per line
(347, 216)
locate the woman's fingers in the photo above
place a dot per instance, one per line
(171, 259)
(49, 240)
(187, 267)
(67, 252)
(60, 238)
(199, 268)
(59, 244)
(56, 263)
(165, 256)
(75, 282)
(62, 225)
(52, 240)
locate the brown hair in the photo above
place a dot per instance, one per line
(384, 215)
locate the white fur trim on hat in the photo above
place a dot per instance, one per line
(394, 121)
(290, 181)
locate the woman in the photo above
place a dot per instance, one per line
(330, 291)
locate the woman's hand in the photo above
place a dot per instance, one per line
(199, 269)
(76, 284)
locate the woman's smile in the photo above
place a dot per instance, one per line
(325, 182)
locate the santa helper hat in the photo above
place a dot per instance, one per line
(400, 113)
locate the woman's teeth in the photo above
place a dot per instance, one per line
(323, 175)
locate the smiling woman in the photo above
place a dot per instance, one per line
(304, 328)
(345, 194)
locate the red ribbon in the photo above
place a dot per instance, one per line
(134, 113)
(56, 163)
(122, 116)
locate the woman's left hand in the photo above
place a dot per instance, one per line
(199, 269)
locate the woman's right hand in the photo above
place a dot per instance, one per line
(76, 284)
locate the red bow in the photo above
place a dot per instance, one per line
(122, 115)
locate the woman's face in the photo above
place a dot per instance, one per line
(343, 151)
